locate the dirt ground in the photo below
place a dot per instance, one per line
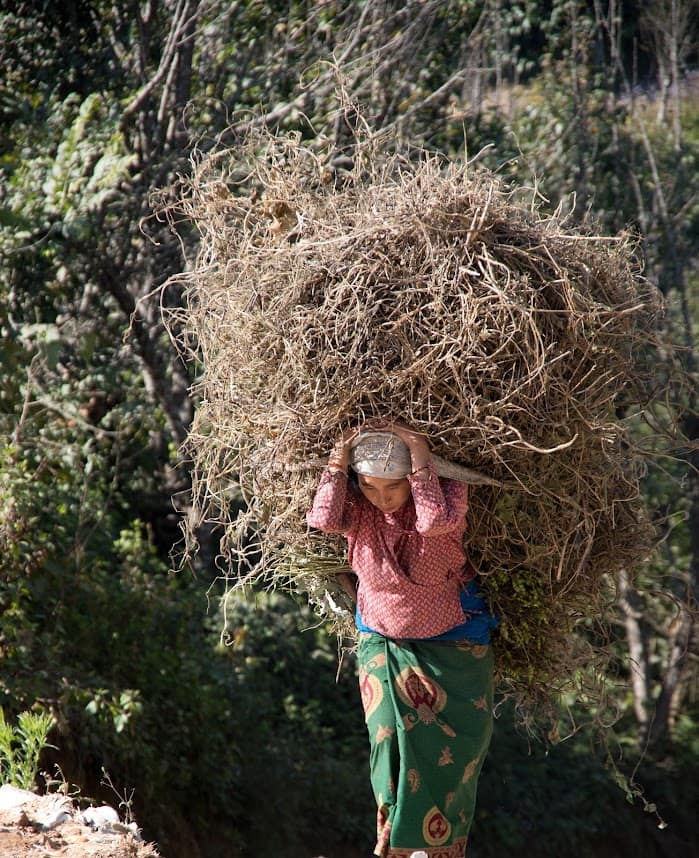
(50, 826)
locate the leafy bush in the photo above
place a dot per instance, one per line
(538, 800)
(21, 747)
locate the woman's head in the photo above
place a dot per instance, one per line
(382, 463)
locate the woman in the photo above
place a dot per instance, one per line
(425, 666)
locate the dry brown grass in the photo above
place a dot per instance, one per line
(426, 291)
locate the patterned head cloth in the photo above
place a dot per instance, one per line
(380, 454)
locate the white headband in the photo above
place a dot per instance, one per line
(380, 454)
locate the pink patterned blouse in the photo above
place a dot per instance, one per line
(410, 565)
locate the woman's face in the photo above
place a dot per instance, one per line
(388, 495)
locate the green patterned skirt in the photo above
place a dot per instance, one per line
(428, 707)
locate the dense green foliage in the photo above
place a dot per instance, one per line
(100, 105)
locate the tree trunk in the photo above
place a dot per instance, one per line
(630, 606)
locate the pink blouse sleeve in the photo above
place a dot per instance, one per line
(332, 510)
(440, 506)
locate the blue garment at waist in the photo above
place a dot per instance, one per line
(476, 627)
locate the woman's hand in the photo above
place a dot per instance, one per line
(416, 442)
(340, 453)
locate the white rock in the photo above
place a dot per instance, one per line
(100, 817)
(12, 796)
(50, 812)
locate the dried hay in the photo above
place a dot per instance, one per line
(425, 291)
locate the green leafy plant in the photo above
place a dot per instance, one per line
(21, 747)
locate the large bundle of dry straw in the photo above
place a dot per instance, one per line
(416, 289)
